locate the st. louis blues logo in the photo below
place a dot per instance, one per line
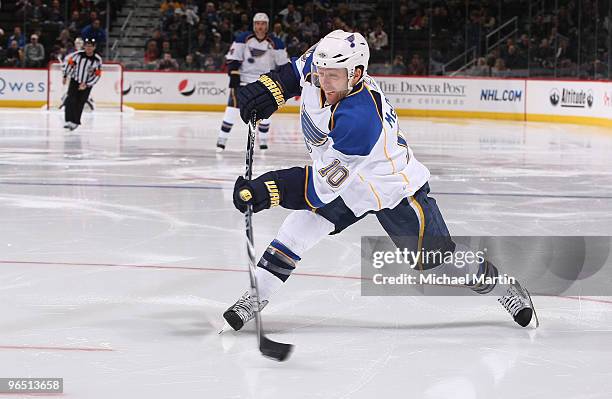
(312, 134)
(255, 52)
(351, 39)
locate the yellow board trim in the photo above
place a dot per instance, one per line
(460, 114)
(578, 120)
(22, 104)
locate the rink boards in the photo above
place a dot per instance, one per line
(571, 101)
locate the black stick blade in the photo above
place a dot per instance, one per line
(274, 350)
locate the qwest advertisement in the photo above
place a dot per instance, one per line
(26, 85)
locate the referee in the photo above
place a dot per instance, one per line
(84, 68)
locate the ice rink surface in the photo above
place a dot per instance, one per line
(120, 249)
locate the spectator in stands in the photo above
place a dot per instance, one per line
(481, 68)
(564, 22)
(402, 21)
(544, 54)
(514, 59)
(191, 13)
(64, 38)
(166, 48)
(18, 37)
(157, 38)
(75, 25)
(210, 16)
(499, 69)
(290, 15)
(439, 19)
(210, 65)
(309, 30)
(55, 15)
(524, 44)
(378, 39)
(34, 53)
(243, 26)
(564, 54)
(417, 66)
(218, 49)
(225, 30)
(13, 55)
(419, 21)
(167, 63)
(202, 45)
(488, 21)
(92, 17)
(94, 31)
(190, 63)
(34, 13)
(278, 32)
(169, 6)
(398, 67)
(151, 54)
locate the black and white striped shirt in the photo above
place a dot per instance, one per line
(83, 69)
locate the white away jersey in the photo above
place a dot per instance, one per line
(257, 57)
(357, 149)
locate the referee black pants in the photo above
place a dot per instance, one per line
(75, 101)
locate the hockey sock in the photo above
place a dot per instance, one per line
(226, 127)
(263, 128)
(274, 268)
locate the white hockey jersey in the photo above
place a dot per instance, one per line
(357, 149)
(257, 56)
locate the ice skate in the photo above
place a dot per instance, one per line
(517, 302)
(242, 311)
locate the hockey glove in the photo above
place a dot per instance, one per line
(264, 96)
(261, 193)
(284, 187)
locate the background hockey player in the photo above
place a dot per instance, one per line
(361, 164)
(252, 54)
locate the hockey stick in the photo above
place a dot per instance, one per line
(274, 350)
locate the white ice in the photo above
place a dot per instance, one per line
(120, 249)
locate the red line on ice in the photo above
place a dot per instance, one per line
(57, 348)
(218, 269)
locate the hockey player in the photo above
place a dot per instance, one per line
(361, 164)
(252, 54)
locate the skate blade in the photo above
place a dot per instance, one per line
(226, 327)
(535, 314)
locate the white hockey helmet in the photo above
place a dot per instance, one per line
(261, 17)
(340, 49)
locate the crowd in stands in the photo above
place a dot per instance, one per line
(415, 38)
(407, 37)
(51, 30)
